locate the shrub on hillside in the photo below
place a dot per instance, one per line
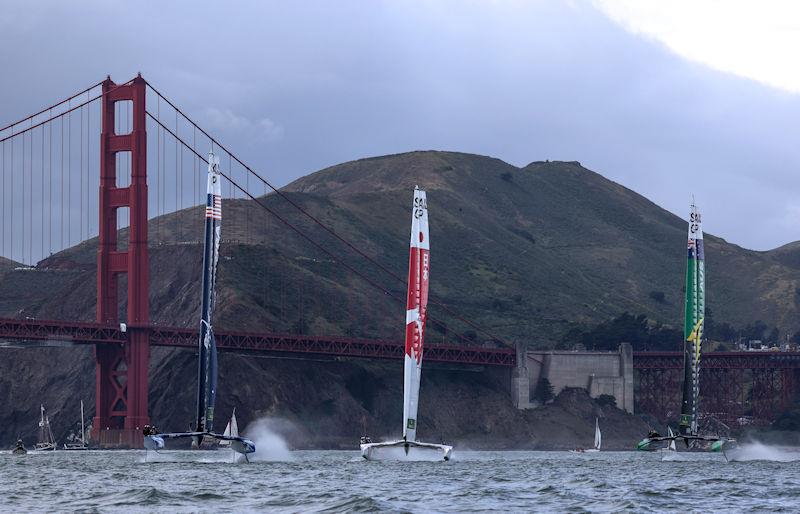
(606, 400)
(544, 391)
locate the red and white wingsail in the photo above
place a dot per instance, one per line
(416, 311)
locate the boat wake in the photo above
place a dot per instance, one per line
(193, 456)
(672, 456)
(762, 452)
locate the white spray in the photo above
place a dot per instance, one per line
(270, 446)
(760, 451)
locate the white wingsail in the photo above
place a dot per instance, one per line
(598, 438)
(416, 312)
(408, 448)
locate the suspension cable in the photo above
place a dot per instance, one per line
(50, 108)
(64, 113)
(318, 222)
(327, 252)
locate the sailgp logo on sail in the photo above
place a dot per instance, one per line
(694, 222)
(420, 206)
(425, 266)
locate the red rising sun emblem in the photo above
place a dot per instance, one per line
(421, 237)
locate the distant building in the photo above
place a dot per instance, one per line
(599, 373)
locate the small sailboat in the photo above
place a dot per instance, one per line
(670, 448)
(46, 440)
(231, 429)
(207, 348)
(692, 344)
(598, 440)
(408, 448)
(81, 443)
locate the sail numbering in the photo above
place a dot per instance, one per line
(207, 348)
(408, 448)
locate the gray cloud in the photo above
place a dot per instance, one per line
(296, 86)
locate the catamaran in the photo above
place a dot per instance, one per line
(207, 348)
(46, 440)
(408, 448)
(692, 345)
(81, 444)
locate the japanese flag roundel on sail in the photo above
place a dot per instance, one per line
(693, 323)
(416, 311)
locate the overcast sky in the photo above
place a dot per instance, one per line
(668, 98)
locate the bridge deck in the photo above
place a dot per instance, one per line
(60, 332)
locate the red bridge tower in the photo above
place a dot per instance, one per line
(121, 376)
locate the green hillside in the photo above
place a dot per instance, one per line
(526, 253)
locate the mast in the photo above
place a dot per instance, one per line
(83, 430)
(207, 362)
(416, 311)
(693, 324)
(42, 426)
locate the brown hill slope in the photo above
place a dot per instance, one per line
(524, 252)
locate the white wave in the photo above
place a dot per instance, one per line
(759, 451)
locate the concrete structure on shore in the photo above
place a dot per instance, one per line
(598, 372)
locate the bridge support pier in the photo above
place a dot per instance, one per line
(121, 373)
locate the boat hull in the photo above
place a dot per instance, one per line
(406, 451)
(238, 444)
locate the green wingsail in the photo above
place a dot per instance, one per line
(694, 315)
(693, 323)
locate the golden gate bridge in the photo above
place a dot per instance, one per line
(147, 157)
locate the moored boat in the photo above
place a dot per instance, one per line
(80, 444)
(46, 441)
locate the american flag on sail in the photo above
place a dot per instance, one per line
(214, 207)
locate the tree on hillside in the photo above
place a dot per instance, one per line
(606, 400)
(754, 330)
(774, 336)
(634, 329)
(544, 391)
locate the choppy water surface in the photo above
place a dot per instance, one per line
(342, 481)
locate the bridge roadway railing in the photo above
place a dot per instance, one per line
(43, 332)
(719, 360)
